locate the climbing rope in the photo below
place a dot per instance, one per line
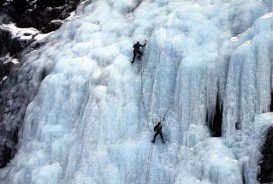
(149, 163)
(147, 118)
(141, 90)
(142, 97)
(155, 70)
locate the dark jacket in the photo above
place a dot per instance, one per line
(158, 128)
(137, 46)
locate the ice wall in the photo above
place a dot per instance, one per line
(90, 118)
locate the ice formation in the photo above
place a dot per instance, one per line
(91, 112)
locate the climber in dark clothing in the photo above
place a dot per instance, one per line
(158, 130)
(136, 47)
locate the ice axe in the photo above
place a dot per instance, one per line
(162, 119)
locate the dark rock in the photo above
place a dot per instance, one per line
(5, 66)
(18, 90)
(27, 34)
(268, 165)
(8, 135)
(17, 45)
(266, 173)
(39, 14)
(4, 18)
(12, 45)
(53, 25)
(2, 72)
(5, 39)
(50, 3)
(215, 122)
(15, 95)
(6, 156)
(1, 3)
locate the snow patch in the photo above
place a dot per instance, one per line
(24, 33)
(268, 15)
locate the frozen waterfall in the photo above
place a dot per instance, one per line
(91, 112)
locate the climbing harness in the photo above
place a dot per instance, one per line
(149, 164)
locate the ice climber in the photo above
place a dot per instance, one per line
(158, 130)
(136, 47)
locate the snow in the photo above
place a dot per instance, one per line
(266, 16)
(90, 118)
(8, 59)
(12, 60)
(4, 78)
(42, 36)
(15, 61)
(234, 39)
(24, 33)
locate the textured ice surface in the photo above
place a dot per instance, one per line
(92, 116)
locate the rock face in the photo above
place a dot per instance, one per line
(266, 174)
(11, 44)
(215, 124)
(5, 37)
(44, 15)
(7, 148)
(5, 67)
